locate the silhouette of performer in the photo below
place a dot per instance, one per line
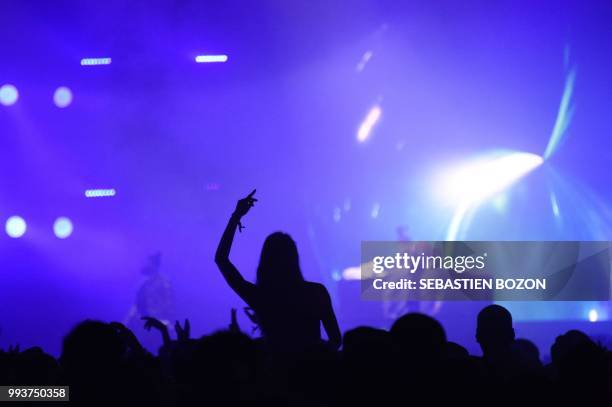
(155, 297)
(289, 310)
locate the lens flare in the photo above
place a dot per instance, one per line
(15, 226)
(469, 185)
(564, 115)
(8, 94)
(365, 130)
(62, 227)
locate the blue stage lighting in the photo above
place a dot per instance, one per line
(203, 59)
(8, 94)
(15, 226)
(62, 97)
(469, 185)
(95, 61)
(100, 193)
(564, 115)
(62, 227)
(366, 127)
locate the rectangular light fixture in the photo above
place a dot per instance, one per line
(203, 59)
(95, 61)
(99, 193)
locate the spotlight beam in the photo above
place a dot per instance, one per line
(366, 127)
(472, 184)
(564, 115)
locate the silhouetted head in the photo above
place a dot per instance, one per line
(419, 336)
(279, 264)
(566, 343)
(494, 330)
(365, 339)
(35, 366)
(90, 345)
(579, 361)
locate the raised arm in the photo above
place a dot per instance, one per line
(228, 270)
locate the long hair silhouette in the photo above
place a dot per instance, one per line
(288, 309)
(279, 263)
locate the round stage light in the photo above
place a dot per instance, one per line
(62, 227)
(15, 226)
(62, 97)
(8, 94)
(593, 315)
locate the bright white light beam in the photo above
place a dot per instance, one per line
(485, 177)
(554, 205)
(368, 123)
(100, 193)
(203, 59)
(564, 115)
(96, 61)
(471, 184)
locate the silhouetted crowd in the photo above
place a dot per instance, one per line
(411, 364)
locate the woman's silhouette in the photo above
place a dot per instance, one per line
(289, 309)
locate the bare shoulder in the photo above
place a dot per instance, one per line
(317, 289)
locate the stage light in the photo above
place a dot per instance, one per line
(62, 227)
(352, 273)
(564, 115)
(203, 59)
(337, 214)
(365, 129)
(363, 61)
(100, 193)
(62, 97)
(375, 210)
(485, 177)
(499, 202)
(467, 186)
(554, 204)
(95, 61)
(347, 204)
(15, 226)
(593, 315)
(8, 94)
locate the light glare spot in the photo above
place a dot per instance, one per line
(483, 178)
(95, 61)
(363, 61)
(203, 59)
(100, 193)
(62, 97)
(554, 204)
(337, 214)
(468, 185)
(8, 94)
(365, 129)
(15, 227)
(62, 227)
(375, 210)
